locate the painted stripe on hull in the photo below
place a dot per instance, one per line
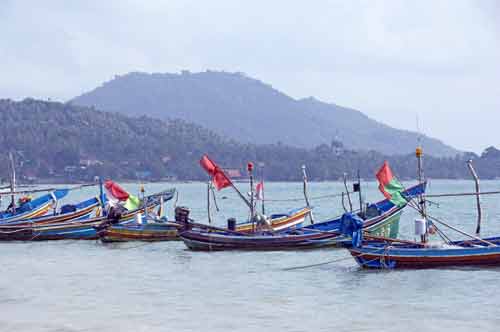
(447, 257)
(279, 223)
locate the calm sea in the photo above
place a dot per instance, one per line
(88, 286)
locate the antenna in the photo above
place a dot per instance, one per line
(419, 131)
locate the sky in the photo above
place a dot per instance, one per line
(396, 61)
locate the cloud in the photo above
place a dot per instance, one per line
(390, 59)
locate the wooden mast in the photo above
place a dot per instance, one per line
(421, 199)
(304, 188)
(347, 192)
(12, 181)
(478, 197)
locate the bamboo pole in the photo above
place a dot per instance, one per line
(421, 198)
(208, 202)
(304, 188)
(478, 197)
(12, 181)
(361, 213)
(252, 207)
(263, 189)
(347, 191)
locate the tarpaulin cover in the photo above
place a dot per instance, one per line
(351, 225)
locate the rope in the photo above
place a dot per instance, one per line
(315, 265)
(300, 199)
(329, 262)
(465, 194)
(8, 193)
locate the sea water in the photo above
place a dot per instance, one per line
(89, 286)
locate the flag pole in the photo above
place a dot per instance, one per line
(420, 174)
(12, 181)
(252, 207)
(208, 202)
(262, 181)
(361, 213)
(241, 195)
(347, 192)
(306, 197)
(478, 197)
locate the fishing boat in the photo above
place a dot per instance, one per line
(33, 208)
(154, 229)
(79, 211)
(76, 229)
(392, 254)
(380, 218)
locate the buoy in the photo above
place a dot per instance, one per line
(420, 227)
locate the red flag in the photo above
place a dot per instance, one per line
(115, 191)
(384, 177)
(259, 191)
(219, 178)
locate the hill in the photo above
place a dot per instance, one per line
(251, 111)
(61, 141)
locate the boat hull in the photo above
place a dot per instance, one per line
(140, 232)
(389, 257)
(302, 238)
(207, 241)
(170, 231)
(71, 230)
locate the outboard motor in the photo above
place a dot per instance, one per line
(182, 214)
(231, 224)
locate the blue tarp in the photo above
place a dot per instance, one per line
(351, 225)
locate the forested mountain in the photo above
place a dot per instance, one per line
(250, 111)
(56, 140)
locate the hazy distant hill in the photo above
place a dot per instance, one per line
(248, 110)
(56, 140)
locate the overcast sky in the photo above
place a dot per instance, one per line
(393, 60)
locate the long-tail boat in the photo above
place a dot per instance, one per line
(391, 253)
(75, 229)
(34, 208)
(79, 211)
(161, 230)
(380, 218)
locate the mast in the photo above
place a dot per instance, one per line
(421, 199)
(306, 197)
(252, 207)
(208, 202)
(347, 192)
(12, 180)
(262, 181)
(478, 197)
(356, 187)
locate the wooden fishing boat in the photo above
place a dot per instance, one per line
(215, 241)
(34, 208)
(164, 231)
(74, 229)
(79, 211)
(302, 238)
(150, 231)
(394, 255)
(380, 218)
(390, 253)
